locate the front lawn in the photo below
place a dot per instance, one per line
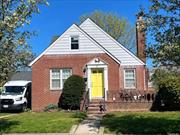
(142, 122)
(44, 122)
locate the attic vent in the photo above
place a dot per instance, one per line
(74, 42)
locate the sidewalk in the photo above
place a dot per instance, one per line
(36, 134)
(89, 126)
(47, 134)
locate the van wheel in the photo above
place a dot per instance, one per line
(24, 107)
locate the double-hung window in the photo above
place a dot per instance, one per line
(58, 78)
(55, 79)
(129, 78)
(74, 42)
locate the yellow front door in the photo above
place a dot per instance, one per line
(97, 83)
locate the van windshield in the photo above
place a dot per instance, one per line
(14, 90)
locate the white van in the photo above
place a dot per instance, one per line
(16, 95)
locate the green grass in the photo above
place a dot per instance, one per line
(44, 122)
(142, 122)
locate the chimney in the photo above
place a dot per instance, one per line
(140, 37)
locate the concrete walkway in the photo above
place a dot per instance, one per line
(89, 126)
(5, 116)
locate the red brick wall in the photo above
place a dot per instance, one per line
(140, 76)
(128, 106)
(41, 93)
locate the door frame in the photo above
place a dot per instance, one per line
(104, 67)
(102, 82)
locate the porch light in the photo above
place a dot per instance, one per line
(97, 60)
(85, 73)
(114, 98)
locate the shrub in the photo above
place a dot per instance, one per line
(50, 107)
(168, 95)
(72, 93)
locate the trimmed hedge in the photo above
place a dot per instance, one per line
(72, 93)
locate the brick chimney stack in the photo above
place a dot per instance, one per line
(140, 37)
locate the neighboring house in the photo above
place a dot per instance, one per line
(25, 75)
(88, 51)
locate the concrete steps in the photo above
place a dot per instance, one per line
(94, 106)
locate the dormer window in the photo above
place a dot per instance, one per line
(74, 42)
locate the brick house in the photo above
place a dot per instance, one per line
(88, 51)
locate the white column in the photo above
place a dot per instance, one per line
(89, 81)
(106, 82)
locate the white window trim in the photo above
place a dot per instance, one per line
(51, 88)
(61, 87)
(78, 43)
(61, 80)
(125, 78)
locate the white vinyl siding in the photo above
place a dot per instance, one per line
(129, 78)
(117, 50)
(58, 78)
(63, 44)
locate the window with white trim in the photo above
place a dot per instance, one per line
(74, 42)
(129, 78)
(58, 78)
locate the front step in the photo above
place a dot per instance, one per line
(97, 100)
(94, 107)
(95, 112)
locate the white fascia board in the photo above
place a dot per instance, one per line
(129, 52)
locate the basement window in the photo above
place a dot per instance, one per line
(74, 42)
(129, 78)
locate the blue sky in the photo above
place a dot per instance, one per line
(60, 14)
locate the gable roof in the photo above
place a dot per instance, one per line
(113, 48)
(85, 34)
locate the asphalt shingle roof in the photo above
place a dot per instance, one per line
(27, 76)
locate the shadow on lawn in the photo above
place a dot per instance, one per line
(80, 115)
(5, 125)
(139, 124)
